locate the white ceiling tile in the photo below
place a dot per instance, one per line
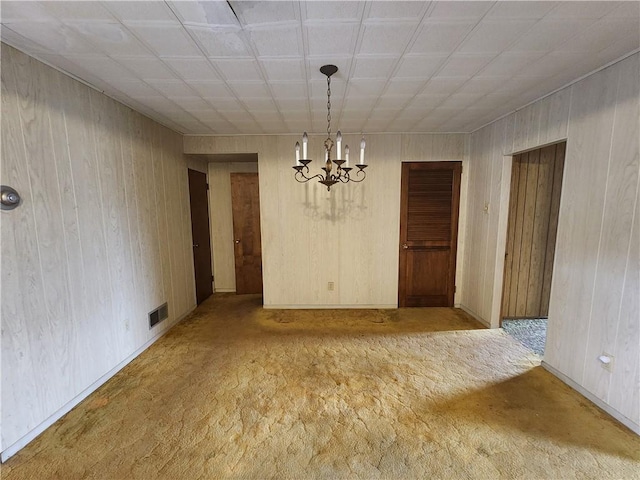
(250, 89)
(392, 101)
(549, 34)
(483, 85)
(225, 104)
(360, 103)
(190, 103)
(625, 10)
(293, 105)
(245, 70)
(464, 65)
(508, 64)
(142, 11)
(172, 88)
(284, 69)
(493, 101)
(404, 86)
(111, 38)
(258, 13)
(396, 10)
(284, 90)
(77, 11)
(373, 67)
(494, 36)
(210, 89)
(158, 103)
(520, 9)
(449, 10)
(437, 37)
(419, 66)
(146, 67)
(426, 101)
(220, 42)
(602, 34)
(461, 100)
(135, 88)
(259, 105)
(440, 84)
(103, 67)
(192, 68)
(577, 9)
(365, 88)
(386, 38)
(204, 13)
(330, 39)
(342, 11)
(167, 40)
(53, 37)
(17, 11)
(277, 41)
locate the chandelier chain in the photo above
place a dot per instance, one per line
(329, 106)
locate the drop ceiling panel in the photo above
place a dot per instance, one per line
(439, 37)
(166, 40)
(142, 12)
(291, 70)
(220, 42)
(386, 39)
(192, 68)
(403, 65)
(112, 39)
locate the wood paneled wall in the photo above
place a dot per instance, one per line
(221, 217)
(349, 236)
(536, 184)
(594, 305)
(102, 238)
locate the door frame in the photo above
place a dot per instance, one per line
(503, 228)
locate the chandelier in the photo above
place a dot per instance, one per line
(342, 171)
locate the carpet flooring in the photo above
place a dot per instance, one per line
(236, 391)
(531, 332)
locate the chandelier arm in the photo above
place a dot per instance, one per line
(302, 178)
(360, 172)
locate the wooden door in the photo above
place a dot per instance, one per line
(245, 201)
(430, 199)
(536, 180)
(201, 236)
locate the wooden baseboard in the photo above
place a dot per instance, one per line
(627, 422)
(66, 408)
(225, 290)
(383, 306)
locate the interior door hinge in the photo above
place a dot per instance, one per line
(212, 278)
(207, 186)
(455, 289)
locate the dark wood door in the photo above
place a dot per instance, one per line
(200, 232)
(430, 199)
(245, 201)
(534, 206)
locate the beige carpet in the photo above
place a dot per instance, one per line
(236, 391)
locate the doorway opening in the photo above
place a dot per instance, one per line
(536, 182)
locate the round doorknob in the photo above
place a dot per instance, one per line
(236, 241)
(405, 246)
(195, 245)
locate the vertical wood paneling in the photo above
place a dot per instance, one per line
(580, 224)
(300, 222)
(83, 256)
(593, 304)
(615, 233)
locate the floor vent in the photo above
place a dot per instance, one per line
(158, 315)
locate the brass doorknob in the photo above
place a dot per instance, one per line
(405, 246)
(236, 241)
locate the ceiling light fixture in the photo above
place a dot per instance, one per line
(342, 172)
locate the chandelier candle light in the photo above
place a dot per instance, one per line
(342, 171)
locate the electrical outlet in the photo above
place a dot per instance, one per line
(606, 361)
(330, 286)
